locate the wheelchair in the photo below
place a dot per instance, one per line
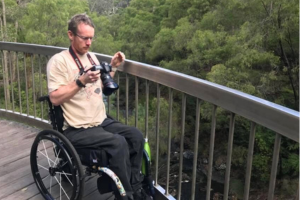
(58, 168)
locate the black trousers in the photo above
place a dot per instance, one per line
(123, 144)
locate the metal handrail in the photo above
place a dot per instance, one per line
(283, 121)
(273, 116)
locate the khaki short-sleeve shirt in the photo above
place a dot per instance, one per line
(86, 109)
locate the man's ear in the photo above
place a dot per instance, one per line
(71, 35)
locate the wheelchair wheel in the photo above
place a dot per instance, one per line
(56, 167)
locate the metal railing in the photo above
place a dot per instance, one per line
(20, 104)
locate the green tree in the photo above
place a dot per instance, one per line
(45, 21)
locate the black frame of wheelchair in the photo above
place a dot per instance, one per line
(64, 164)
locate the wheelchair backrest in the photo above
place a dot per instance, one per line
(55, 114)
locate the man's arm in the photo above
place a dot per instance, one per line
(116, 61)
(66, 92)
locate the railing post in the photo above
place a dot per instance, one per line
(183, 109)
(127, 98)
(249, 160)
(275, 160)
(11, 81)
(147, 109)
(4, 78)
(26, 85)
(136, 101)
(229, 155)
(157, 134)
(33, 86)
(118, 98)
(194, 174)
(211, 152)
(169, 140)
(19, 85)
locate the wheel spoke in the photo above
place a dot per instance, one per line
(57, 157)
(66, 175)
(61, 188)
(46, 153)
(43, 167)
(45, 177)
(57, 154)
(46, 156)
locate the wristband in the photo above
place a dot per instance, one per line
(79, 84)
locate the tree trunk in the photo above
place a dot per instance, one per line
(5, 68)
(286, 61)
(14, 59)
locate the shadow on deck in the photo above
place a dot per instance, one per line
(16, 180)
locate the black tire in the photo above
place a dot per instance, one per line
(56, 167)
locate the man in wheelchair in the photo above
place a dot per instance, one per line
(78, 90)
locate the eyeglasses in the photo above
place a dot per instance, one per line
(84, 38)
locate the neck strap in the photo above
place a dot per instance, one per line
(77, 60)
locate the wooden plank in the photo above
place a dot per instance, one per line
(22, 184)
(14, 156)
(16, 146)
(16, 181)
(15, 170)
(15, 135)
(90, 189)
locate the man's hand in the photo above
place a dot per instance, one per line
(89, 76)
(117, 59)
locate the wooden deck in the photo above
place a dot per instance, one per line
(16, 182)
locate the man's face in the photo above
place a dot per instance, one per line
(82, 40)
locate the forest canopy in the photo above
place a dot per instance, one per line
(252, 46)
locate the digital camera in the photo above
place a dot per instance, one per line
(109, 86)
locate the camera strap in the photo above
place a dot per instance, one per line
(77, 60)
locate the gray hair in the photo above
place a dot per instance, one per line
(77, 19)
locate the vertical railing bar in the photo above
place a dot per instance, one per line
(41, 86)
(157, 133)
(147, 109)
(26, 85)
(19, 84)
(229, 156)
(275, 160)
(211, 152)
(169, 140)
(136, 101)
(197, 127)
(118, 98)
(127, 99)
(47, 60)
(249, 161)
(4, 79)
(11, 81)
(183, 109)
(33, 86)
